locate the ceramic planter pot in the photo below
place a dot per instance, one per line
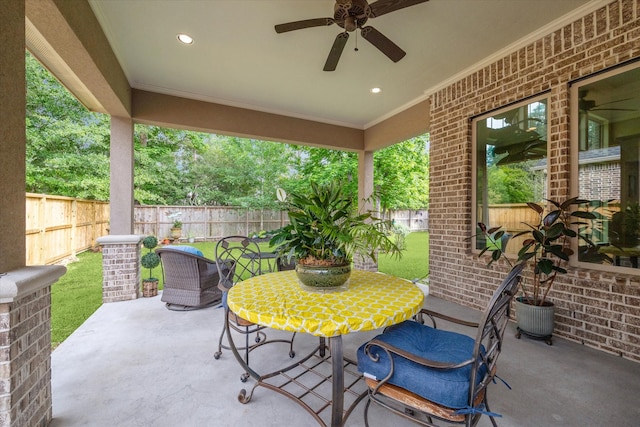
(536, 321)
(323, 277)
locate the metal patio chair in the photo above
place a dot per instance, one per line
(190, 279)
(238, 258)
(431, 375)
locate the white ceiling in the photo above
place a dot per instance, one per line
(238, 59)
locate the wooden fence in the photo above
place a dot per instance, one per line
(205, 223)
(59, 227)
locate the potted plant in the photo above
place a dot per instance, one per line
(150, 260)
(325, 232)
(548, 246)
(176, 229)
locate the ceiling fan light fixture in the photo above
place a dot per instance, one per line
(375, 90)
(185, 39)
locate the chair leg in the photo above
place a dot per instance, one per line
(366, 412)
(486, 405)
(292, 353)
(218, 353)
(245, 376)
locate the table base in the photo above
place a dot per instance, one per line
(309, 380)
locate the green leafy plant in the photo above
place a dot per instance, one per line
(547, 243)
(326, 228)
(151, 259)
(177, 224)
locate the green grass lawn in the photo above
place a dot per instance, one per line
(79, 292)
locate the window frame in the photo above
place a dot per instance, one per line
(546, 96)
(575, 143)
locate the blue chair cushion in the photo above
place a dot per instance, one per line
(188, 249)
(448, 387)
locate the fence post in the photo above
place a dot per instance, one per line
(74, 226)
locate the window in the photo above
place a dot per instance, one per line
(510, 160)
(606, 133)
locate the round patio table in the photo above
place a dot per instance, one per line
(277, 300)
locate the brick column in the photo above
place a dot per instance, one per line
(362, 263)
(25, 345)
(120, 267)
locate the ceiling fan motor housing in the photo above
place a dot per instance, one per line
(351, 15)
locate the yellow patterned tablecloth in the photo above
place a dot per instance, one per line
(372, 300)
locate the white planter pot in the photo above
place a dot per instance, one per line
(536, 321)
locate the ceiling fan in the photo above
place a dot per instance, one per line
(587, 105)
(351, 15)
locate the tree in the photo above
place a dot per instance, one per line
(163, 161)
(510, 185)
(401, 174)
(68, 154)
(240, 172)
(67, 146)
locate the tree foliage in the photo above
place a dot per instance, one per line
(67, 146)
(68, 155)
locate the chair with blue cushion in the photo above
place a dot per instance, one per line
(190, 279)
(432, 375)
(239, 258)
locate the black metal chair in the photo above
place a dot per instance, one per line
(431, 375)
(238, 258)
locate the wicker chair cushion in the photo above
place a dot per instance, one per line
(447, 387)
(188, 249)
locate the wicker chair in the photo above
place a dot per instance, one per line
(432, 375)
(190, 279)
(238, 258)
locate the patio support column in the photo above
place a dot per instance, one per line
(121, 190)
(12, 136)
(25, 292)
(365, 190)
(121, 249)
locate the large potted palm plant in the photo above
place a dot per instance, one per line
(325, 232)
(548, 246)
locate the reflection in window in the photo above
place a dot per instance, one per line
(608, 136)
(511, 160)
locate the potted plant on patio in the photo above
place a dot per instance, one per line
(325, 232)
(547, 245)
(176, 229)
(150, 260)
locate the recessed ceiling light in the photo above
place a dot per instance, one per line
(375, 90)
(184, 38)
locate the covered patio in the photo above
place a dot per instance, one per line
(136, 363)
(465, 58)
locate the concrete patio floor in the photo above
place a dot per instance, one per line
(136, 363)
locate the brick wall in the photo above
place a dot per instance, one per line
(596, 181)
(596, 308)
(25, 364)
(120, 267)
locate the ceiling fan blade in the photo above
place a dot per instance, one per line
(307, 23)
(385, 6)
(336, 51)
(385, 45)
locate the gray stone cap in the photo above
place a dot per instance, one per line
(27, 280)
(125, 239)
